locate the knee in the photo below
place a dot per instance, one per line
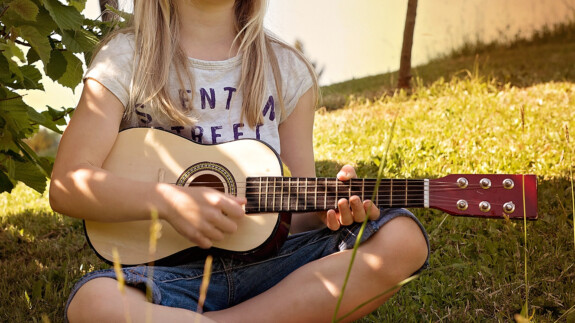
(402, 248)
(97, 300)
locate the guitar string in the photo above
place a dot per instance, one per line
(321, 183)
(396, 187)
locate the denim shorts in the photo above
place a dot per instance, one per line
(234, 281)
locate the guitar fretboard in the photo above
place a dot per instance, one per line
(303, 194)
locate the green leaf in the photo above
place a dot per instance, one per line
(125, 16)
(43, 164)
(50, 119)
(80, 5)
(10, 166)
(30, 174)
(15, 112)
(74, 71)
(45, 24)
(6, 185)
(79, 41)
(24, 8)
(57, 65)
(32, 56)
(58, 116)
(39, 43)
(10, 50)
(32, 77)
(66, 17)
(4, 70)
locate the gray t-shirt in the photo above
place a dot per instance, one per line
(216, 98)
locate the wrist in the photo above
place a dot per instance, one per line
(158, 200)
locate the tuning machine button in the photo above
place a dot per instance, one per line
(462, 182)
(462, 205)
(508, 183)
(485, 183)
(485, 206)
(509, 207)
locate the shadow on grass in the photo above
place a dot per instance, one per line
(41, 256)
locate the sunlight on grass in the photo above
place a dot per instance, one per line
(468, 125)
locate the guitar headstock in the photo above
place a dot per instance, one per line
(490, 196)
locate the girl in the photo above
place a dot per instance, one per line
(207, 70)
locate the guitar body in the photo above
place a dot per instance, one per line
(153, 155)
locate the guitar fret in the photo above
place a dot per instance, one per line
(274, 196)
(297, 194)
(305, 200)
(406, 184)
(281, 195)
(267, 191)
(391, 192)
(325, 195)
(305, 196)
(349, 194)
(316, 184)
(376, 195)
(336, 194)
(260, 196)
(363, 189)
(289, 194)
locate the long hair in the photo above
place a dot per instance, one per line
(155, 25)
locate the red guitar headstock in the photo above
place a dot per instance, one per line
(490, 196)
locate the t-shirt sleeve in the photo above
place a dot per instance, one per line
(296, 79)
(112, 66)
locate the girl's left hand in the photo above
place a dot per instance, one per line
(350, 210)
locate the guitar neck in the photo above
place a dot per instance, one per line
(303, 194)
(487, 196)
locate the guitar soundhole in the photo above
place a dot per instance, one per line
(210, 181)
(208, 174)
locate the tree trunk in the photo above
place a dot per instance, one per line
(405, 61)
(106, 15)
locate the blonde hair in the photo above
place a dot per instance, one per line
(155, 26)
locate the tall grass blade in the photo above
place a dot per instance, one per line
(205, 283)
(573, 203)
(525, 309)
(570, 152)
(155, 234)
(121, 282)
(567, 314)
(382, 165)
(389, 290)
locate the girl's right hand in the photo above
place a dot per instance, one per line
(203, 215)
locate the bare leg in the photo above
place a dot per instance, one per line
(99, 300)
(310, 293)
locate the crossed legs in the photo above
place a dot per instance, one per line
(309, 294)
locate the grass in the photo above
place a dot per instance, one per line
(492, 109)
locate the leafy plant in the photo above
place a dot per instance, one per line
(38, 36)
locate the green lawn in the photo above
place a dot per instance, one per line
(501, 109)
